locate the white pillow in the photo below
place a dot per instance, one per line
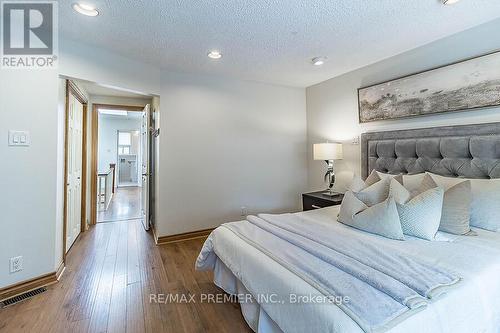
(485, 205)
(384, 175)
(349, 207)
(399, 192)
(420, 216)
(455, 218)
(358, 184)
(373, 190)
(375, 193)
(381, 219)
(412, 182)
(455, 214)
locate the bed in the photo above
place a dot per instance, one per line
(470, 304)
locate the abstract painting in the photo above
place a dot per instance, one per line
(465, 85)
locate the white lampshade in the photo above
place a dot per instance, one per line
(327, 151)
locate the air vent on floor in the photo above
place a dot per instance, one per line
(22, 297)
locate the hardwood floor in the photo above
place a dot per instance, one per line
(111, 272)
(125, 205)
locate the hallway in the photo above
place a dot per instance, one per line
(125, 205)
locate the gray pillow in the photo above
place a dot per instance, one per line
(380, 219)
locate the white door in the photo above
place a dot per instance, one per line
(74, 171)
(146, 142)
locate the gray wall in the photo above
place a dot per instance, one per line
(332, 106)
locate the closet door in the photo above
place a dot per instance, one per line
(146, 143)
(74, 170)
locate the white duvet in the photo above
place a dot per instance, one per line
(473, 306)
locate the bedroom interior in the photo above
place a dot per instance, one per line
(241, 227)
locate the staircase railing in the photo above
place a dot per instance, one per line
(105, 188)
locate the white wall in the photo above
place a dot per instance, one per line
(28, 101)
(226, 144)
(89, 63)
(332, 109)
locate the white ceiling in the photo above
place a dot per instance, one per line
(269, 40)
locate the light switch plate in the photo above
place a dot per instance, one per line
(19, 138)
(16, 264)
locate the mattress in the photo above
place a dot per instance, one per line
(473, 306)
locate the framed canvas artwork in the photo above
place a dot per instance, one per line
(465, 85)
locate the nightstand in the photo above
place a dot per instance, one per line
(315, 200)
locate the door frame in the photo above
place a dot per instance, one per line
(72, 88)
(94, 153)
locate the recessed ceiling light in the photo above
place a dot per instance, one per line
(318, 61)
(85, 9)
(214, 54)
(449, 2)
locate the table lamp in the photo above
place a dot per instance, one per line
(328, 152)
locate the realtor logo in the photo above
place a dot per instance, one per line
(29, 36)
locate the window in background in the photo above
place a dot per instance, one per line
(124, 143)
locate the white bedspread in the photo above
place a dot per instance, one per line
(474, 306)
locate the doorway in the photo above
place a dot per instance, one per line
(85, 186)
(121, 155)
(75, 161)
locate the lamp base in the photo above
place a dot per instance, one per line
(330, 193)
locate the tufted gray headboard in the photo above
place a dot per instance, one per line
(470, 151)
